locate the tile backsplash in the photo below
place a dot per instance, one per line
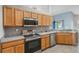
(12, 31)
(16, 31)
(41, 29)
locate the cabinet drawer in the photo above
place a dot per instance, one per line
(44, 36)
(8, 44)
(20, 42)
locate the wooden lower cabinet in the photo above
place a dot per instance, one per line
(19, 48)
(8, 50)
(59, 39)
(45, 42)
(66, 38)
(0, 48)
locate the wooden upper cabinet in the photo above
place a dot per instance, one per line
(34, 15)
(47, 20)
(39, 19)
(18, 17)
(8, 16)
(27, 14)
(44, 22)
(50, 20)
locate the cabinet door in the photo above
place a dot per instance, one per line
(19, 48)
(67, 39)
(44, 22)
(50, 20)
(8, 16)
(34, 15)
(27, 14)
(18, 17)
(8, 50)
(0, 48)
(39, 19)
(47, 42)
(42, 43)
(74, 38)
(60, 38)
(70, 38)
(47, 20)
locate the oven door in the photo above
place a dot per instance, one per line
(32, 46)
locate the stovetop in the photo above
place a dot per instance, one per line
(32, 37)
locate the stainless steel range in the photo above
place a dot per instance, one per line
(32, 43)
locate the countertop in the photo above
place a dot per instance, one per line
(53, 32)
(44, 33)
(11, 38)
(22, 37)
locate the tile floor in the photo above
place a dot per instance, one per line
(62, 49)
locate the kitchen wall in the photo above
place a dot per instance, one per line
(38, 29)
(1, 22)
(76, 22)
(67, 18)
(12, 31)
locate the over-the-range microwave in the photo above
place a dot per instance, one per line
(30, 21)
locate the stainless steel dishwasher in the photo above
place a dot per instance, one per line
(52, 39)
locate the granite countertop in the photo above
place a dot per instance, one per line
(44, 33)
(50, 32)
(11, 38)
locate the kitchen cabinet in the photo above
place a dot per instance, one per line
(44, 22)
(39, 19)
(45, 42)
(27, 14)
(0, 48)
(16, 46)
(19, 48)
(8, 17)
(34, 15)
(18, 17)
(50, 20)
(47, 20)
(66, 38)
(60, 38)
(8, 50)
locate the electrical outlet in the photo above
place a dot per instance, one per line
(17, 30)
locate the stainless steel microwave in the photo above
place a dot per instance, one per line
(30, 21)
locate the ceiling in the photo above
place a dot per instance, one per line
(51, 9)
(57, 9)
